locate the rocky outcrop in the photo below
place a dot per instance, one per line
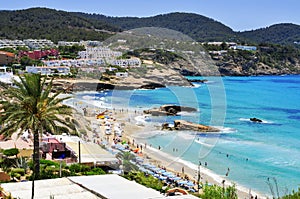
(185, 125)
(254, 119)
(152, 86)
(169, 110)
(198, 80)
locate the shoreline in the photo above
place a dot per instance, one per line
(172, 163)
(175, 164)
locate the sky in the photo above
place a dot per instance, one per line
(240, 15)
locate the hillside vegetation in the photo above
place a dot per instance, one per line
(43, 23)
(73, 26)
(196, 26)
(285, 33)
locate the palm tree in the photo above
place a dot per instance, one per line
(31, 106)
(126, 158)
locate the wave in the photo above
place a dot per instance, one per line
(195, 85)
(141, 120)
(225, 130)
(148, 134)
(184, 113)
(88, 97)
(204, 143)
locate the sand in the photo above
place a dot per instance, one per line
(126, 118)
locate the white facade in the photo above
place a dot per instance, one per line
(124, 63)
(68, 43)
(38, 43)
(6, 43)
(122, 74)
(46, 70)
(75, 62)
(6, 75)
(98, 52)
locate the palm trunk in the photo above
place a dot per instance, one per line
(36, 160)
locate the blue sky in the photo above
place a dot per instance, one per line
(237, 14)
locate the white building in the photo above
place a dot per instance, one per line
(6, 75)
(122, 74)
(124, 63)
(75, 62)
(48, 70)
(38, 43)
(6, 43)
(98, 52)
(68, 43)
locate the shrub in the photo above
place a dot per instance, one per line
(146, 180)
(293, 195)
(76, 168)
(18, 170)
(219, 192)
(11, 152)
(49, 163)
(95, 171)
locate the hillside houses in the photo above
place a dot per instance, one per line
(29, 43)
(48, 70)
(98, 52)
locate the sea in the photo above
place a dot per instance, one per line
(262, 156)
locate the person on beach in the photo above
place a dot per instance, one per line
(227, 173)
(182, 170)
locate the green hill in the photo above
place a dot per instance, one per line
(196, 26)
(202, 28)
(285, 33)
(74, 26)
(37, 23)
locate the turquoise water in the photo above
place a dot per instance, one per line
(254, 152)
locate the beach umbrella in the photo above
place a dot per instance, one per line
(143, 169)
(184, 182)
(190, 184)
(149, 172)
(167, 173)
(192, 190)
(161, 171)
(156, 175)
(162, 177)
(176, 178)
(138, 159)
(149, 166)
(155, 169)
(170, 176)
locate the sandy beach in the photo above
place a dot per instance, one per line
(175, 164)
(127, 119)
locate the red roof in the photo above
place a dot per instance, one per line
(7, 53)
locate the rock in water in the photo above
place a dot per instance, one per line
(254, 119)
(169, 110)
